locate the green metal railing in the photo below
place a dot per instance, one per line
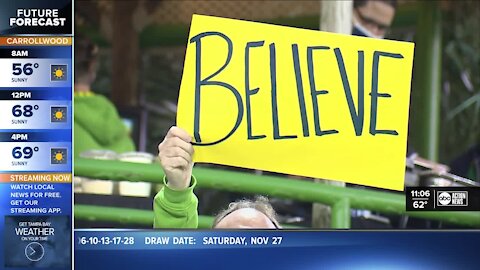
(125, 215)
(341, 199)
(427, 90)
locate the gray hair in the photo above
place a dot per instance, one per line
(260, 204)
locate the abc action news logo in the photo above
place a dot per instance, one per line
(452, 198)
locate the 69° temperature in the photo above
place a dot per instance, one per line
(25, 111)
(23, 152)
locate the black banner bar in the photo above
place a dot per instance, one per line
(443, 198)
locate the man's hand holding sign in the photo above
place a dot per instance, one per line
(297, 101)
(176, 158)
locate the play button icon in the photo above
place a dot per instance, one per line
(34, 251)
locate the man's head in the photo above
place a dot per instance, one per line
(85, 61)
(247, 214)
(372, 18)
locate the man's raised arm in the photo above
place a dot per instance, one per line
(175, 205)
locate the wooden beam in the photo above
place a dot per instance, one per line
(125, 55)
(335, 16)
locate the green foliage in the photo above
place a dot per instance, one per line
(460, 127)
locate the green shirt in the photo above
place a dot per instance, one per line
(97, 125)
(176, 208)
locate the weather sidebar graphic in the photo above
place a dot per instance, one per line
(36, 138)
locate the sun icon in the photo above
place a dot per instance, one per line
(58, 72)
(58, 114)
(58, 156)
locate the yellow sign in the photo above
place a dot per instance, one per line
(297, 101)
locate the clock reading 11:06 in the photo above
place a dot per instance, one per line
(418, 198)
(420, 193)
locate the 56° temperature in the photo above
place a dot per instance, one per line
(27, 69)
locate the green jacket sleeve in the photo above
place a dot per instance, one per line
(176, 208)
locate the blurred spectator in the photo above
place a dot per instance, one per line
(372, 18)
(97, 125)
